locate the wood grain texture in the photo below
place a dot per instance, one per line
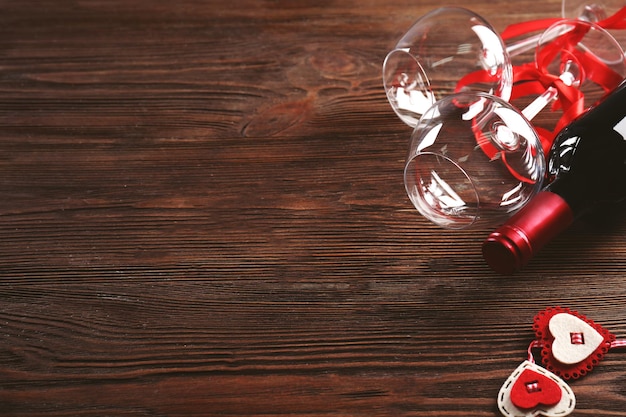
(203, 214)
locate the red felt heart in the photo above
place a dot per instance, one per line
(533, 389)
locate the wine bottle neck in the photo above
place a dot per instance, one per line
(512, 245)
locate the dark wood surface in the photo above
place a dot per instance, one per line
(202, 213)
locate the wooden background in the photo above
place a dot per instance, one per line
(202, 213)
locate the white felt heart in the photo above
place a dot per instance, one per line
(561, 406)
(574, 339)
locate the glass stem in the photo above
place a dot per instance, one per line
(568, 77)
(524, 45)
(540, 103)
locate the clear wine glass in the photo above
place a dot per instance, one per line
(580, 53)
(435, 53)
(473, 159)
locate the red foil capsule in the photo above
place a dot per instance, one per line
(513, 244)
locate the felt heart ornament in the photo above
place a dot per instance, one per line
(574, 340)
(571, 344)
(533, 391)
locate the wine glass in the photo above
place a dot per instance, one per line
(580, 55)
(473, 159)
(439, 49)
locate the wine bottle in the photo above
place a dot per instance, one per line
(586, 172)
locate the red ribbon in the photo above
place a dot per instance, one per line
(616, 21)
(524, 28)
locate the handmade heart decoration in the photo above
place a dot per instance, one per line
(571, 344)
(533, 391)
